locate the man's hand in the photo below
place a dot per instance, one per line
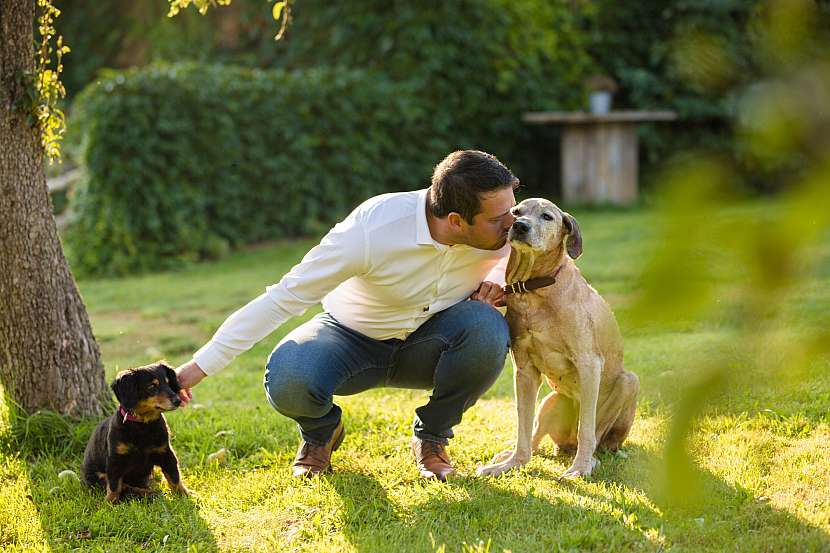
(188, 376)
(489, 292)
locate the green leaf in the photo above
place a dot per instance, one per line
(277, 10)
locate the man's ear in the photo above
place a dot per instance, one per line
(574, 239)
(172, 379)
(125, 387)
(454, 219)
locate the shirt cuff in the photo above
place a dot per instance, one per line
(210, 359)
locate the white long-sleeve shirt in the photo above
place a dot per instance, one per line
(378, 272)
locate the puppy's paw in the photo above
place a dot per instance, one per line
(580, 470)
(180, 489)
(499, 468)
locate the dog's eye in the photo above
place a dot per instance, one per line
(151, 388)
(547, 216)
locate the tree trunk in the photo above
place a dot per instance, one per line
(48, 356)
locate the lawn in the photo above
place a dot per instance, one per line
(761, 456)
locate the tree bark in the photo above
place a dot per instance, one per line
(48, 356)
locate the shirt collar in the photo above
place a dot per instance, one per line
(423, 237)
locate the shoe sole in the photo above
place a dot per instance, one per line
(429, 475)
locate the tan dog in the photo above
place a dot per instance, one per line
(567, 333)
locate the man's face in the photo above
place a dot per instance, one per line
(490, 225)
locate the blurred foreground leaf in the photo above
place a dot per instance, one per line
(708, 268)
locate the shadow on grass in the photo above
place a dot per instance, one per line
(83, 519)
(73, 516)
(619, 510)
(466, 511)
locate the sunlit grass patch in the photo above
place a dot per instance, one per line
(759, 450)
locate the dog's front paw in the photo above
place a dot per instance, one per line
(180, 489)
(579, 470)
(501, 457)
(512, 462)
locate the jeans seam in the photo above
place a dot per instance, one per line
(389, 373)
(359, 335)
(424, 339)
(352, 375)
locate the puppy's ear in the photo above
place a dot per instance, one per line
(125, 387)
(172, 379)
(574, 240)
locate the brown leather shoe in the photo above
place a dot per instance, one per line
(432, 458)
(312, 459)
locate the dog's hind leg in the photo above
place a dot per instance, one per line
(621, 418)
(557, 418)
(94, 476)
(115, 486)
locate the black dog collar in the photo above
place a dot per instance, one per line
(524, 286)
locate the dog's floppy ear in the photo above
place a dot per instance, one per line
(125, 387)
(172, 379)
(574, 240)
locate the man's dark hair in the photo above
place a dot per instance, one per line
(460, 179)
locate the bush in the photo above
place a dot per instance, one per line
(697, 57)
(638, 44)
(478, 64)
(183, 161)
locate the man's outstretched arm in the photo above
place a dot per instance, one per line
(340, 255)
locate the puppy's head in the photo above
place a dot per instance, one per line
(540, 226)
(148, 391)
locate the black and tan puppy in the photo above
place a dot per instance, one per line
(124, 448)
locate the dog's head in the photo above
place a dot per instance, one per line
(541, 226)
(148, 391)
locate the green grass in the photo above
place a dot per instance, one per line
(761, 460)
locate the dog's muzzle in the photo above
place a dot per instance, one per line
(520, 227)
(519, 231)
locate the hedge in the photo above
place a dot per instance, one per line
(181, 159)
(184, 161)
(476, 65)
(479, 64)
(699, 58)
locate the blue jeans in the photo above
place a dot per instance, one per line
(458, 354)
